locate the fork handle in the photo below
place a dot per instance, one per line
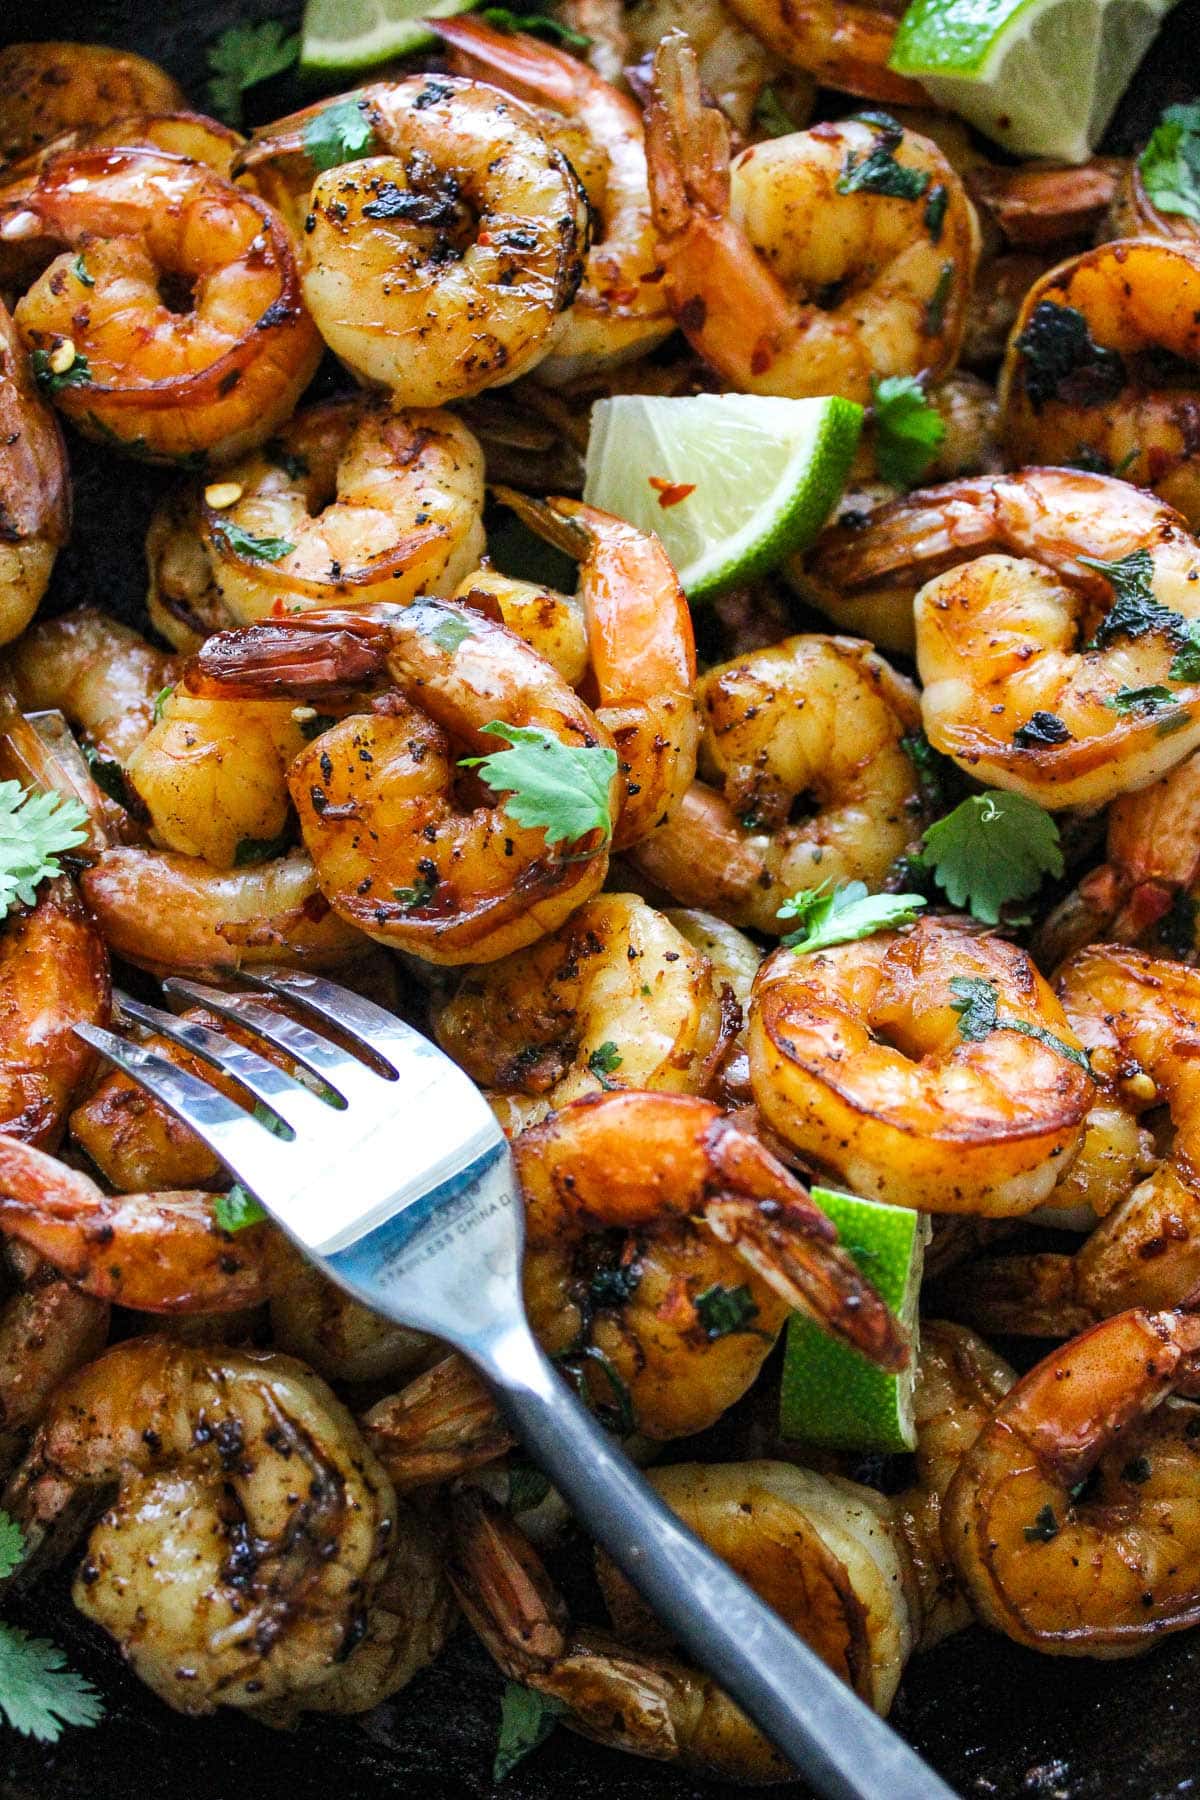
(834, 1740)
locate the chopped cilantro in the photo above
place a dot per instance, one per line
(935, 310)
(12, 1545)
(1170, 163)
(526, 1720)
(977, 1001)
(1044, 1528)
(450, 631)
(38, 1693)
(1061, 361)
(770, 115)
(613, 1287)
(248, 852)
(420, 894)
(80, 271)
(35, 829)
(993, 848)
(1135, 611)
(160, 701)
(878, 172)
(52, 381)
(244, 543)
(934, 771)
(843, 914)
(237, 1209)
(338, 134)
(561, 788)
(603, 1061)
(538, 24)
(723, 1310)
(909, 429)
(243, 56)
(108, 776)
(1141, 702)
(937, 200)
(1186, 665)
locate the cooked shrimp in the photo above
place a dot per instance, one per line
(48, 1329)
(102, 676)
(35, 493)
(551, 623)
(443, 262)
(704, 1206)
(734, 65)
(250, 1529)
(1103, 364)
(1109, 1572)
(50, 88)
(845, 43)
(619, 312)
(165, 911)
(814, 720)
(352, 502)
(398, 854)
(1140, 1020)
(791, 217)
(858, 1059)
(442, 1424)
(201, 375)
(615, 998)
(340, 1337)
(1039, 208)
(153, 1252)
(53, 976)
(1133, 214)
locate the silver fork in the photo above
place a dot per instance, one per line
(391, 1173)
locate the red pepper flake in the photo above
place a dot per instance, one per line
(278, 608)
(762, 356)
(670, 493)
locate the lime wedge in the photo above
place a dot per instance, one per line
(831, 1394)
(343, 35)
(732, 483)
(1041, 77)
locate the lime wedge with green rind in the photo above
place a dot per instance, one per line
(731, 483)
(340, 36)
(1041, 77)
(832, 1395)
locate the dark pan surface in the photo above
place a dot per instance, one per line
(993, 1719)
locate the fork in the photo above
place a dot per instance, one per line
(389, 1170)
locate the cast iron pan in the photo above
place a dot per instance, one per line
(994, 1720)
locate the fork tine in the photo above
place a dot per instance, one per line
(271, 1085)
(246, 1147)
(379, 1032)
(343, 1072)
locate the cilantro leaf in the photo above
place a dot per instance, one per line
(977, 1002)
(722, 1310)
(909, 429)
(79, 269)
(52, 381)
(160, 701)
(38, 1693)
(12, 1545)
(34, 831)
(1141, 701)
(1045, 1527)
(526, 1720)
(244, 543)
(237, 1209)
(1063, 362)
(243, 56)
(994, 848)
(1186, 664)
(770, 115)
(563, 788)
(602, 1063)
(539, 24)
(340, 133)
(1135, 612)
(878, 172)
(844, 913)
(1170, 163)
(449, 632)
(249, 852)
(419, 894)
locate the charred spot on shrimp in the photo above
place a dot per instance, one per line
(1063, 362)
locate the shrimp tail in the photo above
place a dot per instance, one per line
(321, 654)
(441, 1425)
(535, 72)
(687, 142)
(503, 1588)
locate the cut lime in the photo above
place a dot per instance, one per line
(343, 35)
(732, 483)
(1041, 77)
(831, 1394)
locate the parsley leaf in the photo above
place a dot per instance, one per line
(539, 24)
(244, 543)
(563, 788)
(909, 429)
(12, 1545)
(878, 172)
(34, 830)
(994, 848)
(977, 1001)
(770, 116)
(38, 1693)
(1170, 163)
(842, 914)
(1141, 700)
(237, 1209)
(1186, 665)
(526, 1720)
(338, 134)
(722, 1310)
(243, 56)
(603, 1061)
(1062, 362)
(52, 381)
(1135, 612)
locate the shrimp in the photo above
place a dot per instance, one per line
(1140, 1020)
(35, 493)
(735, 66)
(619, 312)
(845, 43)
(616, 998)
(1133, 214)
(818, 721)
(894, 271)
(198, 376)
(153, 1252)
(354, 501)
(1102, 367)
(339, 1337)
(53, 976)
(251, 1527)
(397, 853)
(441, 1425)
(1043, 208)
(704, 1206)
(551, 623)
(51, 88)
(164, 911)
(102, 676)
(48, 1329)
(859, 1060)
(1109, 1572)
(446, 260)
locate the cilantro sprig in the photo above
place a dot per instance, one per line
(38, 1693)
(1170, 163)
(1135, 612)
(843, 914)
(35, 830)
(977, 1003)
(243, 56)
(992, 849)
(561, 788)
(237, 1209)
(909, 429)
(526, 1720)
(338, 134)
(244, 543)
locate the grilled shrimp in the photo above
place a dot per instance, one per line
(339, 1337)
(353, 501)
(153, 1252)
(398, 854)
(251, 1527)
(1110, 1571)
(440, 1425)
(1102, 367)
(845, 43)
(735, 66)
(48, 89)
(53, 976)
(35, 495)
(48, 1329)
(814, 720)
(616, 998)
(102, 676)
(790, 219)
(860, 1060)
(618, 312)
(444, 261)
(198, 376)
